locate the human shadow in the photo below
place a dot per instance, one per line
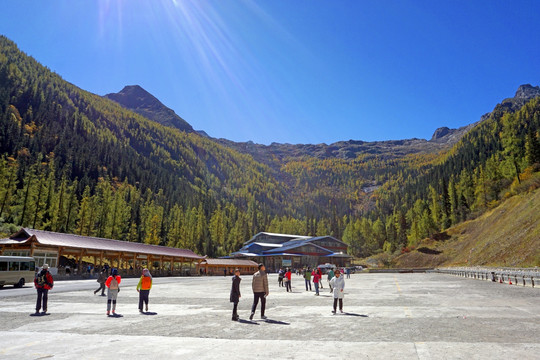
(242, 321)
(149, 313)
(353, 314)
(115, 316)
(275, 322)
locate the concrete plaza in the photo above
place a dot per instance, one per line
(387, 316)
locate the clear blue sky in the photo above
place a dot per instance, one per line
(302, 71)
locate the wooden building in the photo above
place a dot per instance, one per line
(226, 266)
(277, 251)
(129, 257)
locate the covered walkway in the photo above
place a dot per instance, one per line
(67, 253)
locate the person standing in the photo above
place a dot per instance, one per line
(260, 291)
(287, 280)
(316, 279)
(102, 277)
(281, 274)
(329, 277)
(307, 278)
(235, 294)
(143, 288)
(348, 273)
(113, 285)
(338, 284)
(43, 283)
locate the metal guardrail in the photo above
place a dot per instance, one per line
(512, 276)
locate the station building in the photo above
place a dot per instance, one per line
(58, 250)
(294, 251)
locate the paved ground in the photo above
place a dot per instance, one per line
(388, 316)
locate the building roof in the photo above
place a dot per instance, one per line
(228, 262)
(50, 238)
(296, 244)
(286, 237)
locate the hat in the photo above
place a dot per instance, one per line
(114, 272)
(45, 266)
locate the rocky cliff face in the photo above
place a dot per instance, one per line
(134, 97)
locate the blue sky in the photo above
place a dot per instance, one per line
(302, 71)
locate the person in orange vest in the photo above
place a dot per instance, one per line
(143, 288)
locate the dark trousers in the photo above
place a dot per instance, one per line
(316, 288)
(308, 282)
(234, 310)
(143, 297)
(340, 304)
(42, 295)
(102, 288)
(256, 297)
(280, 281)
(288, 286)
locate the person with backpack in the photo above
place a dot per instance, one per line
(113, 285)
(143, 288)
(307, 278)
(287, 279)
(43, 283)
(235, 293)
(102, 277)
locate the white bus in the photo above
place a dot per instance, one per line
(17, 270)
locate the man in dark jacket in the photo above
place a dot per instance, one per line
(101, 280)
(260, 291)
(43, 283)
(235, 293)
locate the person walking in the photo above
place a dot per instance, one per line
(281, 274)
(287, 280)
(338, 284)
(43, 283)
(260, 291)
(329, 277)
(307, 278)
(316, 279)
(348, 273)
(143, 288)
(113, 285)
(235, 294)
(102, 277)
(319, 271)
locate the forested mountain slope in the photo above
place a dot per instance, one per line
(72, 161)
(508, 235)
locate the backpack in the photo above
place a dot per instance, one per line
(114, 284)
(42, 279)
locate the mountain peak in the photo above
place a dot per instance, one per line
(527, 91)
(134, 97)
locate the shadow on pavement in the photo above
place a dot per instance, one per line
(276, 322)
(149, 313)
(242, 321)
(115, 316)
(353, 314)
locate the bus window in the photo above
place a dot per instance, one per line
(25, 266)
(13, 266)
(3, 265)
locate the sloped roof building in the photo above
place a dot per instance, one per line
(296, 251)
